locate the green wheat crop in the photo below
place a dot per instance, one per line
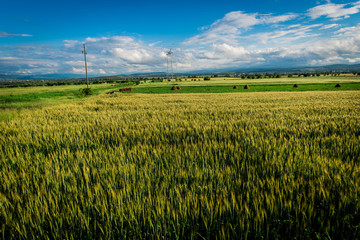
(197, 166)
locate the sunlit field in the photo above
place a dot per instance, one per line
(13, 101)
(263, 81)
(240, 165)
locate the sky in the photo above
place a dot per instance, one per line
(124, 37)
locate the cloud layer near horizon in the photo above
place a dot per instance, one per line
(238, 40)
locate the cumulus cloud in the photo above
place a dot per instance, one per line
(238, 40)
(229, 28)
(348, 31)
(334, 11)
(22, 62)
(325, 51)
(228, 43)
(124, 48)
(228, 51)
(133, 55)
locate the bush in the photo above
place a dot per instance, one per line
(86, 91)
(206, 78)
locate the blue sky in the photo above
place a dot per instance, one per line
(46, 37)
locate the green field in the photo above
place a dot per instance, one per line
(271, 162)
(15, 100)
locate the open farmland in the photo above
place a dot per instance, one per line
(231, 166)
(225, 85)
(14, 101)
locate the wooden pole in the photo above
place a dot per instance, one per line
(87, 80)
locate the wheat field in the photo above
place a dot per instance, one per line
(276, 165)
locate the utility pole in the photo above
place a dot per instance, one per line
(87, 80)
(168, 55)
(172, 70)
(167, 69)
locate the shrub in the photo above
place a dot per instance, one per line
(86, 91)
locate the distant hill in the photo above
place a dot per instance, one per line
(336, 68)
(39, 77)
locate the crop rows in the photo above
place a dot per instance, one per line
(226, 166)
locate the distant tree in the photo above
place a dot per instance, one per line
(290, 75)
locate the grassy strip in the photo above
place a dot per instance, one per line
(14, 101)
(253, 88)
(36, 96)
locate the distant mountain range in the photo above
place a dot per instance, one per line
(336, 68)
(328, 68)
(39, 77)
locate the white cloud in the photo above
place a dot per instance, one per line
(285, 36)
(334, 11)
(238, 40)
(225, 51)
(133, 55)
(117, 54)
(353, 60)
(78, 70)
(349, 31)
(328, 26)
(70, 43)
(225, 29)
(4, 34)
(232, 25)
(24, 72)
(323, 52)
(276, 19)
